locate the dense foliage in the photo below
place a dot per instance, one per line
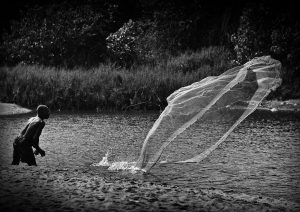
(87, 33)
(125, 44)
(136, 36)
(59, 36)
(108, 87)
(271, 30)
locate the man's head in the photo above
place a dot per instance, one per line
(43, 111)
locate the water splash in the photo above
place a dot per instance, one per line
(103, 162)
(124, 165)
(119, 165)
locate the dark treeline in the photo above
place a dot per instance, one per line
(136, 33)
(73, 33)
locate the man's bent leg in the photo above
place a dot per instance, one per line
(16, 156)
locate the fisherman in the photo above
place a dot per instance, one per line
(29, 137)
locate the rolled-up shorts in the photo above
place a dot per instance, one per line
(24, 149)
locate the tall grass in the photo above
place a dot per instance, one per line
(108, 87)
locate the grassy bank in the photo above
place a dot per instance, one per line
(107, 86)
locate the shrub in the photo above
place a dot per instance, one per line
(122, 43)
(211, 60)
(271, 30)
(108, 87)
(252, 36)
(61, 35)
(133, 43)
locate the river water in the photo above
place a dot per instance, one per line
(261, 157)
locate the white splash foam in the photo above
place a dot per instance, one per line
(116, 166)
(103, 162)
(124, 165)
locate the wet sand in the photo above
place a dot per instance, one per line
(25, 188)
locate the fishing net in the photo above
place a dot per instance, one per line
(199, 117)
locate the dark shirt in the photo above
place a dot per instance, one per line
(32, 131)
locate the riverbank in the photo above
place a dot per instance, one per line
(12, 109)
(90, 189)
(108, 86)
(276, 105)
(292, 105)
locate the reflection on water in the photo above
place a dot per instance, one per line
(261, 156)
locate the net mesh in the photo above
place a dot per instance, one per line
(199, 117)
